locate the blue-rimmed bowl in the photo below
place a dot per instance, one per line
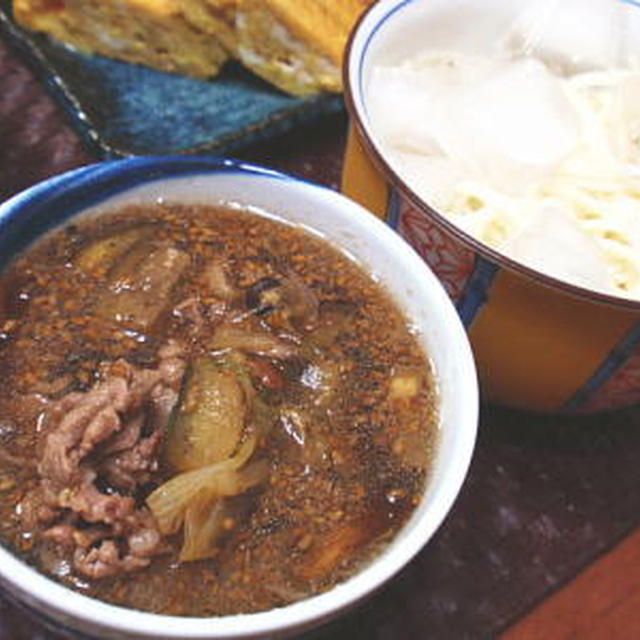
(202, 180)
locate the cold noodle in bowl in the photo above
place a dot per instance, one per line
(532, 147)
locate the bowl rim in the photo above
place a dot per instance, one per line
(92, 184)
(365, 30)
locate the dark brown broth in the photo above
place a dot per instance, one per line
(349, 488)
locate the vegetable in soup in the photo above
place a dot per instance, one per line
(204, 411)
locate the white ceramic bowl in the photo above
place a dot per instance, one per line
(374, 245)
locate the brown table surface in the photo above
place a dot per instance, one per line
(527, 547)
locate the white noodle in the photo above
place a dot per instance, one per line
(571, 155)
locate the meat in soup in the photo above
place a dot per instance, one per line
(204, 411)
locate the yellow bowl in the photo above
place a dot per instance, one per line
(540, 343)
